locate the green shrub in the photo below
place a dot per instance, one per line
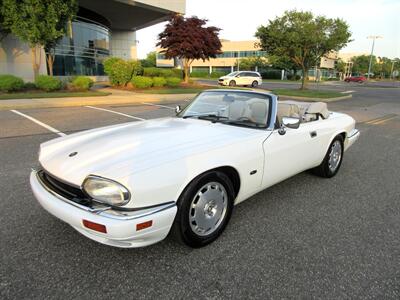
(29, 86)
(120, 71)
(199, 74)
(159, 81)
(10, 83)
(271, 74)
(162, 72)
(48, 83)
(81, 83)
(142, 82)
(217, 74)
(173, 81)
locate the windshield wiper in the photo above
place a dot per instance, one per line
(245, 123)
(211, 117)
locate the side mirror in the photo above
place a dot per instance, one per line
(178, 109)
(289, 122)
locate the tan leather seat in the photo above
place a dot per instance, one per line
(287, 110)
(257, 110)
(308, 111)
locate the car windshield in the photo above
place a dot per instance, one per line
(247, 109)
(232, 74)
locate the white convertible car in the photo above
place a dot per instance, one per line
(132, 184)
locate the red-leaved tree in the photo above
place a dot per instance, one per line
(189, 39)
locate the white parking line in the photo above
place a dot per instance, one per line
(158, 105)
(39, 123)
(116, 112)
(347, 92)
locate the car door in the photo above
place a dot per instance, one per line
(242, 79)
(289, 154)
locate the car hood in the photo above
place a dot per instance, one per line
(224, 77)
(117, 151)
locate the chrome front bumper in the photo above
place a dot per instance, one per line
(121, 225)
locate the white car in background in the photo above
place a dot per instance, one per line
(241, 78)
(131, 184)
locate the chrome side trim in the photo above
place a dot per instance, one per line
(106, 211)
(353, 133)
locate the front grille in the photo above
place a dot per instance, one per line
(63, 189)
(220, 80)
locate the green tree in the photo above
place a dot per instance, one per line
(40, 23)
(249, 63)
(303, 37)
(361, 63)
(149, 61)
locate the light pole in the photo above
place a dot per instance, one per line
(373, 37)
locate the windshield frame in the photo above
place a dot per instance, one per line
(270, 124)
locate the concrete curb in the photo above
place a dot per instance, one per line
(115, 99)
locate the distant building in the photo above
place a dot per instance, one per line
(232, 52)
(102, 28)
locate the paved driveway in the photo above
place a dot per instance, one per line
(306, 237)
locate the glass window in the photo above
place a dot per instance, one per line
(84, 53)
(230, 108)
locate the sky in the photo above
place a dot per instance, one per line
(239, 20)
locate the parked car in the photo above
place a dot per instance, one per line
(359, 79)
(241, 78)
(130, 185)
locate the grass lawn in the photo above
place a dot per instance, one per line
(307, 93)
(33, 95)
(181, 90)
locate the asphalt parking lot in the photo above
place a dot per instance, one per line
(306, 237)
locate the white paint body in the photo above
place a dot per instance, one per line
(157, 159)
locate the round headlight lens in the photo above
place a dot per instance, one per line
(106, 191)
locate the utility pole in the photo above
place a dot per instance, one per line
(373, 37)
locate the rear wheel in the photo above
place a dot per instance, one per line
(232, 83)
(333, 159)
(254, 84)
(204, 209)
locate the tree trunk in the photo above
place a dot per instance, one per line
(186, 70)
(304, 79)
(36, 60)
(50, 62)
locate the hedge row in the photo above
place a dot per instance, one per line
(200, 74)
(11, 83)
(142, 82)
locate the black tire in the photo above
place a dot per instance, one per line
(254, 84)
(324, 169)
(181, 229)
(232, 83)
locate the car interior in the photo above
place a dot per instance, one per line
(305, 111)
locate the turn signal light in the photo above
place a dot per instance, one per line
(144, 225)
(95, 226)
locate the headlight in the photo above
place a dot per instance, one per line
(106, 190)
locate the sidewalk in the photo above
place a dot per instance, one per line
(117, 97)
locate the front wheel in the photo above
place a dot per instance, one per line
(232, 83)
(204, 209)
(333, 159)
(254, 84)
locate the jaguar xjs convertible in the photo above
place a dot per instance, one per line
(132, 184)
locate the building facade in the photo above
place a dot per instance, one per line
(232, 52)
(101, 29)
